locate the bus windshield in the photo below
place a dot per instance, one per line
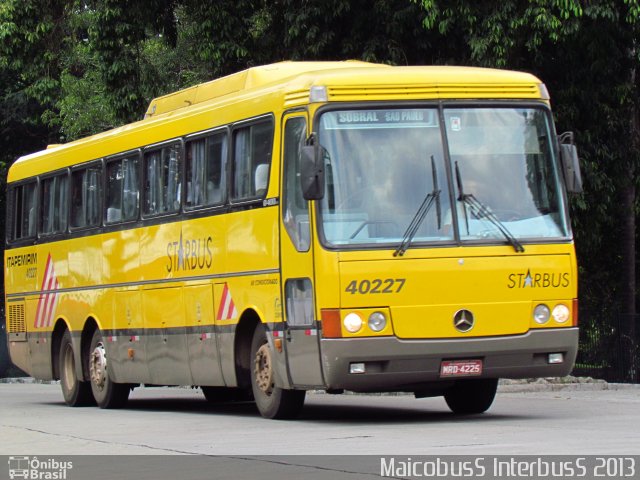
(490, 170)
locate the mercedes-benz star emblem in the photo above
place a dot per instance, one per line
(463, 321)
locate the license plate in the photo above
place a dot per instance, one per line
(460, 368)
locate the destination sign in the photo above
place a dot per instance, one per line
(380, 118)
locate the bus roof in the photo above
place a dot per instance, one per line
(284, 85)
(247, 79)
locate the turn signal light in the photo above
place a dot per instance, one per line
(331, 324)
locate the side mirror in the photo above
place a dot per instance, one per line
(312, 169)
(570, 163)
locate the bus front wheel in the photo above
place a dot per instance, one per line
(467, 397)
(76, 393)
(106, 392)
(272, 401)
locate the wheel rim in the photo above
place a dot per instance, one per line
(263, 372)
(98, 366)
(68, 368)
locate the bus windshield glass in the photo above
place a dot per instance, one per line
(495, 174)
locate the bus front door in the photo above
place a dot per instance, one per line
(301, 344)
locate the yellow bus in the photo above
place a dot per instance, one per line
(303, 225)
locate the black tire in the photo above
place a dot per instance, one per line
(226, 394)
(106, 392)
(272, 402)
(76, 393)
(467, 397)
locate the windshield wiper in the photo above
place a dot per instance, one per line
(431, 198)
(483, 211)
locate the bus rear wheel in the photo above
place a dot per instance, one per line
(106, 392)
(76, 393)
(467, 397)
(272, 401)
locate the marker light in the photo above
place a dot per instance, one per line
(352, 322)
(377, 321)
(561, 313)
(544, 93)
(318, 93)
(541, 314)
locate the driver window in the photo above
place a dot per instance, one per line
(296, 208)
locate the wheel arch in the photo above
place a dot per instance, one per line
(247, 324)
(90, 326)
(59, 328)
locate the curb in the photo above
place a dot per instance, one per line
(566, 387)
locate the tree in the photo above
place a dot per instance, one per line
(118, 35)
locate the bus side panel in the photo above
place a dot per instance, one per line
(164, 323)
(204, 360)
(22, 271)
(125, 342)
(198, 254)
(39, 345)
(121, 307)
(226, 318)
(253, 283)
(20, 354)
(166, 343)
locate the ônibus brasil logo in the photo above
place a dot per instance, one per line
(36, 469)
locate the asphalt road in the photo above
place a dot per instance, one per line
(174, 421)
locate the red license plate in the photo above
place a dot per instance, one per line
(460, 368)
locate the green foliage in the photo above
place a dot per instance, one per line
(233, 35)
(31, 40)
(496, 34)
(120, 35)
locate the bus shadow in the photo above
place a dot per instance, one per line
(321, 409)
(390, 415)
(317, 410)
(193, 406)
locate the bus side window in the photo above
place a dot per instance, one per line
(174, 178)
(205, 170)
(24, 220)
(163, 180)
(53, 205)
(296, 208)
(114, 192)
(130, 188)
(122, 190)
(251, 161)
(195, 161)
(86, 194)
(214, 169)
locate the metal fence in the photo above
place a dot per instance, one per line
(607, 350)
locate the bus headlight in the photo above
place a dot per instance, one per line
(561, 313)
(352, 323)
(377, 321)
(541, 314)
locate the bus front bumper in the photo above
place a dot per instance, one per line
(393, 364)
